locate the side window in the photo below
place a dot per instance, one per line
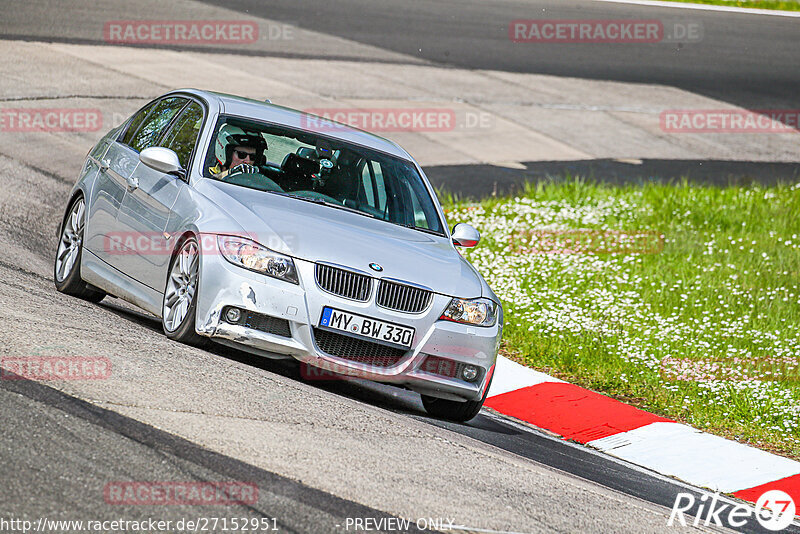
(419, 216)
(183, 134)
(381, 189)
(374, 187)
(135, 122)
(366, 183)
(412, 206)
(159, 117)
(279, 147)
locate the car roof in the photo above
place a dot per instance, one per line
(293, 118)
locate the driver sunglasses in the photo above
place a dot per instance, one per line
(244, 155)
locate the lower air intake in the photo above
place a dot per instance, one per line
(357, 350)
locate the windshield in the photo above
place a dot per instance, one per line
(311, 167)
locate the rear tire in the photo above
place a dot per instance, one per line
(179, 306)
(67, 265)
(458, 411)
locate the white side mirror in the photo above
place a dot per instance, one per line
(162, 159)
(465, 235)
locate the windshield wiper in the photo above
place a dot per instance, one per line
(325, 203)
(348, 208)
(299, 197)
(420, 228)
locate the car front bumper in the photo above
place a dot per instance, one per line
(223, 284)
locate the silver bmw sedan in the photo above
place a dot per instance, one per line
(288, 236)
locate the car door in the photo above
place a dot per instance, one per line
(147, 205)
(115, 164)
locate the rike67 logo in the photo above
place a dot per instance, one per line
(774, 510)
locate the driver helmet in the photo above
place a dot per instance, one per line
(230, 136)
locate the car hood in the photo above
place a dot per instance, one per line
(314, 232)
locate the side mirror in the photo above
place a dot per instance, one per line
(163, 160)
(465, 235)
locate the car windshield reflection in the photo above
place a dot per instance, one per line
(307, 166)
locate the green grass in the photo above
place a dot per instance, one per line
(783, 5)
(705, 331)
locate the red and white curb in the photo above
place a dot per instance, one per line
(639, 437)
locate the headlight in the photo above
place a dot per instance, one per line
(250, 255)
(480, 312)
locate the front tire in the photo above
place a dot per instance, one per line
(460, 412)
(179, 306)
(67, 265)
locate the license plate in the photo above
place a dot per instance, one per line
(366, 327)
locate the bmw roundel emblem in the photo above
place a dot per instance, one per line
(375, 267)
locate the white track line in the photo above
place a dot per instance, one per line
(511, 376)
(605, 455)
(698, 458)
(708, 7)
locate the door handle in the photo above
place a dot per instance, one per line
(133, 183)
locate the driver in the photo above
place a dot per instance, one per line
(237, 151)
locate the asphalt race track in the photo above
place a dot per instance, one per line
(744, 59)
(321, 454)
